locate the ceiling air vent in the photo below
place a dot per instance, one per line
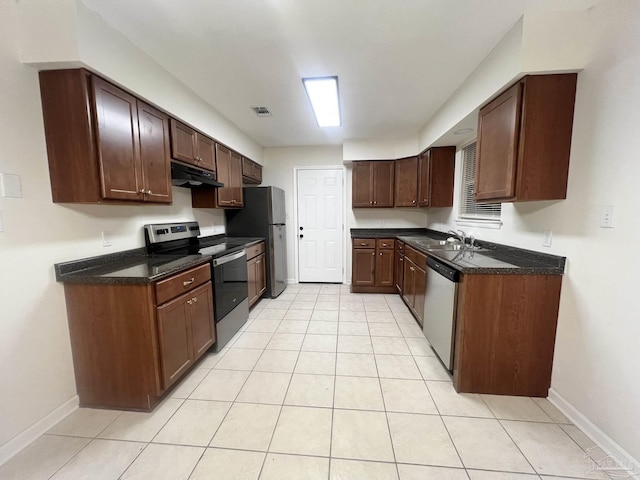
(261, 111)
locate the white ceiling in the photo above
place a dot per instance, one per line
(397, 61)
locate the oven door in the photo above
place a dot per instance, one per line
(230, 282)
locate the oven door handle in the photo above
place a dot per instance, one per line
(229, 258)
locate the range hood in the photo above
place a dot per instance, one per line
(190, 177)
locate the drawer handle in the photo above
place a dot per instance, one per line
(363, 244)
(384, 244)
(188, 282)
(257, 262)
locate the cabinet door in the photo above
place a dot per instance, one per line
(117, 137)
(406, 182)
(206, 153)
(261, 275)
(252, 283)
(383, 183)
(257, 172)
(498, 133)
(362, 184)
(364, 261)
(203, 333)
(441, 175)
(424, 179)
(183, 142)
(407, 282)
(174, 339)
(384, 268)
(235, 174)
(223, 168)
(399, 274)
(419, 290)
(155, 153)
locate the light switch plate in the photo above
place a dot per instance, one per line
(10, 185)
(606, 216)
(106, 238)
(547, 238)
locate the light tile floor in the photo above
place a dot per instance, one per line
(319, 384)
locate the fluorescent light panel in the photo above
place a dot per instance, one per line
(323, 95)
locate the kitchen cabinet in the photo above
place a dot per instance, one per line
(373, 266)
(132, 342)
(524, 141)
(256, 272)
(414, 282)
(373, 184)
(190, 146)
(399, 266)
(104, 144)
(251, 172)
(436, 169)
(505, 334)
(229, 172)
(406, 182)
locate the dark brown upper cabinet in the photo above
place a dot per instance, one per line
(524, 141)
(251, 172)
(427, 180)
(229, 172)
(104, 145)
(190, 146)
(373, 184)
(406, 182)
(436, 169)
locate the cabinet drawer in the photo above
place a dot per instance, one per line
(255, 250)
(420, 259)
(386, 243)
(183, 282)
(364, 243)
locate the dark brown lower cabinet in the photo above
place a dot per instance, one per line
(257, 278)
(373, 266)
(131, 342)
(505, 334)
(414, 282)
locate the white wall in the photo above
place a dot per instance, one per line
(280, 173)
(595, 365)
(36, 371)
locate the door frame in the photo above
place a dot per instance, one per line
(296, 255)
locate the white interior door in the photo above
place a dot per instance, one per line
(319, 230)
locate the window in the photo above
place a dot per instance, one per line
(473, 212)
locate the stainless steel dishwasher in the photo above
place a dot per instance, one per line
(440, 303)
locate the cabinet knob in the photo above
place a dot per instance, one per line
(375, 203)
(373, 254)
(402, 259)
(194, 299)
(142, 190)
(413, 201)
(371, 202)
(190, 302)
(380, 253)
(188, 282)
(149, 192)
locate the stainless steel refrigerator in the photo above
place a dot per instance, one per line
(264, 215)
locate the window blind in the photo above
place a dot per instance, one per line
(468, 208)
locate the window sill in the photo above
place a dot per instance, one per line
(493, 223)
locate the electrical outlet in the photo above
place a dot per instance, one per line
(606, 216)
(547, 238)
(106, 238)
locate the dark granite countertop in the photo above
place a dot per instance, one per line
(385, 232)
(138, 266)
(491, 258)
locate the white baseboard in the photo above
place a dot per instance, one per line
(604, 441)
(291, 280)
(20, 441)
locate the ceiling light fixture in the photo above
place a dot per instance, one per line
(463, 131)
(323, 95)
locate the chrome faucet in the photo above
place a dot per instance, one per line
(460, 235)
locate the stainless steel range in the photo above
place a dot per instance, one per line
(228, 267)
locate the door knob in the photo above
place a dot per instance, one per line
(301, 236)
(301, 228)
